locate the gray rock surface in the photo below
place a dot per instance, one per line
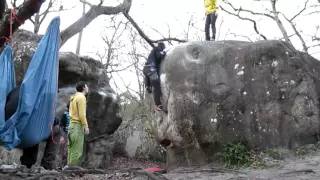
(135, 141)
(264, 92)
(134, 137)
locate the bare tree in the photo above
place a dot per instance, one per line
(111, 57)
(274, 14)
(144, 36)
(38, 18)
(30, 7)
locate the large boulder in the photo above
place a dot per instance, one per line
(102, 101)
(264, 92)
(134, 138)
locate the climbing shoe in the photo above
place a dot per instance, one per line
(159, 108)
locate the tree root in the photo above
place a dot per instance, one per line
(77, 171)
(211, 170)
(301, 171)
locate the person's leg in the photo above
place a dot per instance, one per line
(154, 78)
(51, 150)
(213, 19)
(29, 156)
(147, 82)
(207, 27)
(76, 141)
(64, 151)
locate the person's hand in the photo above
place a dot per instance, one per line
(86, 130)
(62, 140)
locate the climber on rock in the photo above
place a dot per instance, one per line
(29, 156)
(151, 71)
(211, 12)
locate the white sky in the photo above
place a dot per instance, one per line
(176, 13)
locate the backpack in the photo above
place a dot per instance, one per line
(66, 121)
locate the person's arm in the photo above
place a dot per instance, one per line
(82, 108)
(217, 4)
(160, 54)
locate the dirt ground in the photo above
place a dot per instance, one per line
(297, 168)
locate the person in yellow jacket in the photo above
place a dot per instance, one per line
(211, 12)
(78, 126)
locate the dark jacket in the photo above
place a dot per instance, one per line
(12, 102)
(155, 57)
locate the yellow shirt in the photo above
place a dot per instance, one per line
(210, 6)
(78, 108)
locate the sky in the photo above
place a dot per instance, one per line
(175, 14)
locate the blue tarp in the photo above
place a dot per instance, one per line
(7, 79)
(37, 103)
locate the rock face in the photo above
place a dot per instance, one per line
(102, 101)
(265, 93)
(134, 139)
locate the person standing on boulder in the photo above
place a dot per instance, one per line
(79, 125)
(211, 12)
(151, 71)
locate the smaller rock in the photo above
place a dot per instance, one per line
(313, 163)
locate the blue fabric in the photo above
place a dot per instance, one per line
(37, 103)
(68, 119)
(7, 79)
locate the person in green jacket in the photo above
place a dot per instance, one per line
(79, 125)
(211, 12)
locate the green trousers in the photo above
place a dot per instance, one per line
(75, 144)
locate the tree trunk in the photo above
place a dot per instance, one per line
(279, 23)
(93, 13)
(29, 7)
(24, 12)
(36, 23)
(80, 34)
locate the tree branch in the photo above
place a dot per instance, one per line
(246, 10)
(14, 3)
(236, 35)
(305, 48)
(27, 9)
(95, 11)
(278, 21)
(86, 2)
(301, 11)
(247, 19)
(144, 36)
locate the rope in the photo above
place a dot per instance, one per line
(15, 17)
(55, 98)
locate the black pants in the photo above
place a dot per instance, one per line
(210, 20)
(29, 156)
(151, 78)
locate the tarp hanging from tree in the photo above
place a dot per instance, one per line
(37, 100)
(7, 79)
